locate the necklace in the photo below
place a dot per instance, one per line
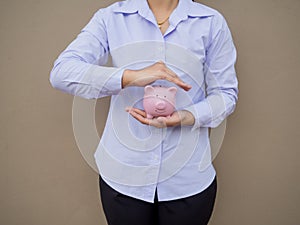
(161, 23)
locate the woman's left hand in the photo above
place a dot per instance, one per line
(183, 118)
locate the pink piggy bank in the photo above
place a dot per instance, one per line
(159, 101)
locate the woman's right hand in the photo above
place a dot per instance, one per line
(147, 75)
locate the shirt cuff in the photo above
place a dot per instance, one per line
(201, 112)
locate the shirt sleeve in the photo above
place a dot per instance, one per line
(79, 69)
(220, 78)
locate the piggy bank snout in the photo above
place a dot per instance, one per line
(160, 104)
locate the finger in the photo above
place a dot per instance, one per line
(171, 72)
(173, 77)
(139, 111)
(139, 117)
(173, 120)
(162, 120)
(156, 122)
(136, 111)
(179, 82)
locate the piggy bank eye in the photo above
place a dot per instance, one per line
(165, 96)
(156, 95)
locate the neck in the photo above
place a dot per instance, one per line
(162, 5)
(162, 10)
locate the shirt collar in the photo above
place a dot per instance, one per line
(184, 9)
(129, 6)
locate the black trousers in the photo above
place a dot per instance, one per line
(120, 209)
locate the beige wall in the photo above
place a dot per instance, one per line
(44, 179)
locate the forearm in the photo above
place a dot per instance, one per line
(79, 68)
(85, 80)
(211, 111)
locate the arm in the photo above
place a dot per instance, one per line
(78, 69)
(220, 78)
(221, 86)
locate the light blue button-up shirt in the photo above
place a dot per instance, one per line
(133, 158)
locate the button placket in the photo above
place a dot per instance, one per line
(160, 52)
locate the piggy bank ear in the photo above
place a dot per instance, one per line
(172, 90)
(149, 89)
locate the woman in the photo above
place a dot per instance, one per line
(154, 171)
